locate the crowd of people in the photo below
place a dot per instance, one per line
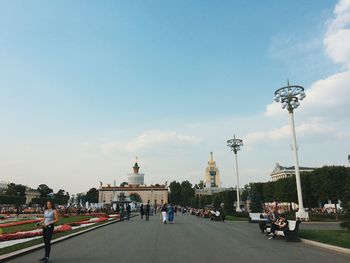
(167, 212)
(212, 213)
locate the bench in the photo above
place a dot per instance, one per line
(292, 234)
(257, 217)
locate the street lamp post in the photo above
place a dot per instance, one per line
(235, 145)
(290, 97)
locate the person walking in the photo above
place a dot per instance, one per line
(128, 211)
(147, 210)
(48, 224)
(164, 211)
(171, 214)
(142, 211)
(122, 212)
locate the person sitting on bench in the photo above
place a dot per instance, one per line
(281, 224)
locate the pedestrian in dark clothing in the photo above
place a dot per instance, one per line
(223, 216)
(128, 211)
(147, 210)
(142, 211)
(122, 212)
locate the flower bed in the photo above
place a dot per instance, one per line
(32, 233)
(91, 220)
(23, 222)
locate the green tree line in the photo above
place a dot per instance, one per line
(318, 186)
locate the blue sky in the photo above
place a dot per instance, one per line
(79, 77)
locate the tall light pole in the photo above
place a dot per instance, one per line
(235, 145)
(290, 97)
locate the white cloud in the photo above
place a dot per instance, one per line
(111, 146)
(329, 96)
(147, 140)
(337, 38)
(316, 127)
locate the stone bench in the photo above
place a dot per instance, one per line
(257, 217)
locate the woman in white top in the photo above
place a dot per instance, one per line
(48, 223)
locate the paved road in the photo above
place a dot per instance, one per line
(190, 239)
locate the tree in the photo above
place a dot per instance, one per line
(268, 190)
(346, 206)
(217, 200)
(329, 183)
(12, 200)
(229, 197)
(245, 192)
(187, 192)
(200, 185)
(62, 197)
(15, 190)
(92, 195)
(309, 198)
(123, 184)
(256, 197)
(175, 193)
(44, 190)
(256, 204)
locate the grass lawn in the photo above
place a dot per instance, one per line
(40, 240)
(339, 238)
(236, 218)
(26, 227)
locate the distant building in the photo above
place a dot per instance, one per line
(135, 178)
(136, 189)
(3, 185)
(31, 194)
(212, 175)
(212, 180)
(281, 172)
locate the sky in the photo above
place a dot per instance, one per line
(86, 86)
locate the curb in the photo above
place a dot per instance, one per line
(36, 247)
(326, 246)
(321, 222)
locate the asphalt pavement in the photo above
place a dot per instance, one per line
(189, 239)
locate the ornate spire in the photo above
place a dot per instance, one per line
(136, 166)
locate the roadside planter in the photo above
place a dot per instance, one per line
(18, 223)
(32, 233)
